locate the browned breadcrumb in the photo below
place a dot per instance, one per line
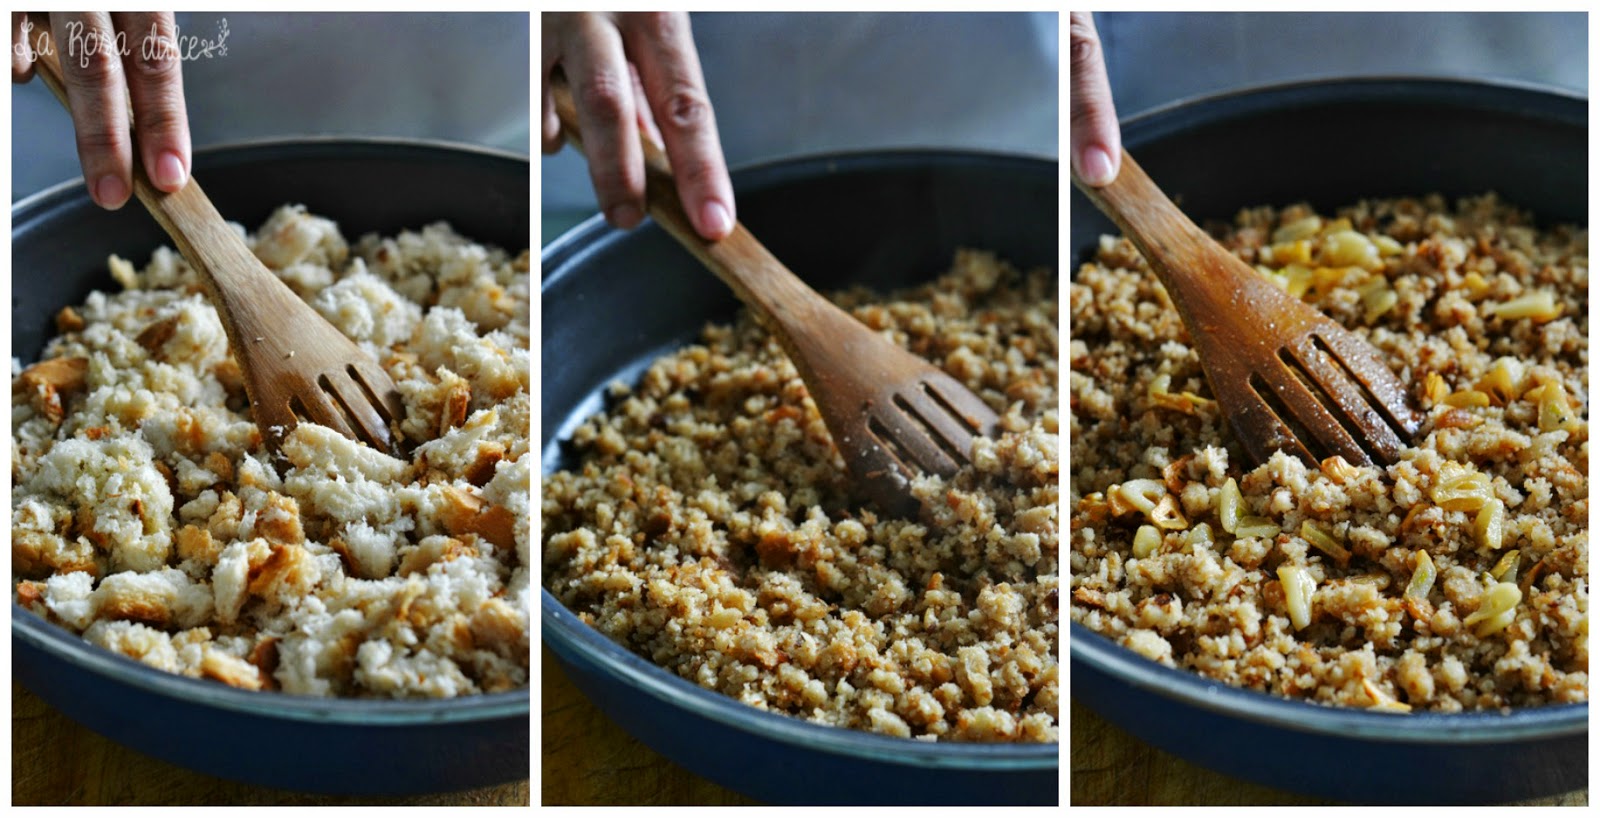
(708, 527)
(1454, 579)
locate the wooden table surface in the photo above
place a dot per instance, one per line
(1110, 767)
(54, 760)
(586, 759)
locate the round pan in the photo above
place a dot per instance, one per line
(60, 242)
(1333, 143)
(611, 302)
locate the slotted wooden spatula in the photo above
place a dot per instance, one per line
(1285, 375)
(891, 414)
(296, 365)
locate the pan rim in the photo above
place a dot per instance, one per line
(242, 149)
(1562, 104)
(1473, 727)
(582, 236)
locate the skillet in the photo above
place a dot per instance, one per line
(60, 242)
(890, 219)
(1332, 143)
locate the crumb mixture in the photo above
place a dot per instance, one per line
(1454, 579)
(707, 526)
(148, 517)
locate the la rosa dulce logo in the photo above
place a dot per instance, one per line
(159, 43)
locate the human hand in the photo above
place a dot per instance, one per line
(632, 72)
(1096, 139)
(108, 60)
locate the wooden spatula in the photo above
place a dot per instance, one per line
(296, 365)
(891, 414)
(1285, 375)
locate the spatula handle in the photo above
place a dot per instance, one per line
(1173, 244)
(187, 214)
(784, 302)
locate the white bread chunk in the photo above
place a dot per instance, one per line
(115, 483)
(149, 516)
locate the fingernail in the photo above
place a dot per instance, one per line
(110, 192)
(169, 172)
(625, 216)
(716, 219)
(1097, 167)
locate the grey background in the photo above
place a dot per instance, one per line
(787, 84)
(1155, 58)
(459, 77)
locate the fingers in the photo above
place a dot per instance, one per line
(21, 48)
(550, 55)
(663, 49)
(597, 70)
(155, 85)
(633, 73)
(641, 106)
(1096, 140)
(91, 66)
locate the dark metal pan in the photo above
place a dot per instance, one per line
(60, 242)
(611, 302)
(1332, 143)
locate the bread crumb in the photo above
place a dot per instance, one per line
(149, 517)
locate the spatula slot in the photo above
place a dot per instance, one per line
(1309, 448)
(1385, 411)
(926, 426)
(967, 422)
(373, 398)
(352, 418)
(1330, 401)
(886, 441)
